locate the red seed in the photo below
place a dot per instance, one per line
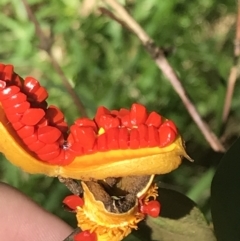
(68, 158)
(101, 111)
(59, 159)
(153, 136)
(86, 122)
(48, 148)
(90, 150)
(22, 107)
(123, 112)
(114, 112)
(112, 138)
(143, 135)
(170, 124)
(85, 236)
(151, 208)
(49, 156)
(48, 134)
(13, 117)
(125, 121)
(108, 121)
(36, 146)
(102, 142)
(26, 131)
(43, 122)
(30, 85)
(76, 148)
(84, 135)
(31, 139)
(2, 84)
(73, 201)
(19, 108)
(8, 92)
(166, 135)
(73, 133)
(40, 95)
(8, 72)
(154, 119)
(134, 139)
(54, 115)
(32, 116)
(65, 157)
(154, 208)
(123, 138)
(14, 100)
(17, 125)
(70, 139)
(138, 114)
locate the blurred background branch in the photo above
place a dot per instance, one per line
(161, 61)
(46, 44)
(234, 71)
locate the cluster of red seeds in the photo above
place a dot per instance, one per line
(41, 128)
(112, 130)
(44, 131)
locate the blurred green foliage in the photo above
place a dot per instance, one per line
(108, 66)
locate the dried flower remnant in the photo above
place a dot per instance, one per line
(113, 143)
(111, 209)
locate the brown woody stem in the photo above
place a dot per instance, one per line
(72, 185)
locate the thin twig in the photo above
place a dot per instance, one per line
(45, 44)
(237, 41)
(229, 93)
(111, 15)
(233, 75)
(163, 64)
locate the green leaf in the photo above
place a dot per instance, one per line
(132, 237)
(225, 200)
(180, 220)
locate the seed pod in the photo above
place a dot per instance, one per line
(113, 143)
